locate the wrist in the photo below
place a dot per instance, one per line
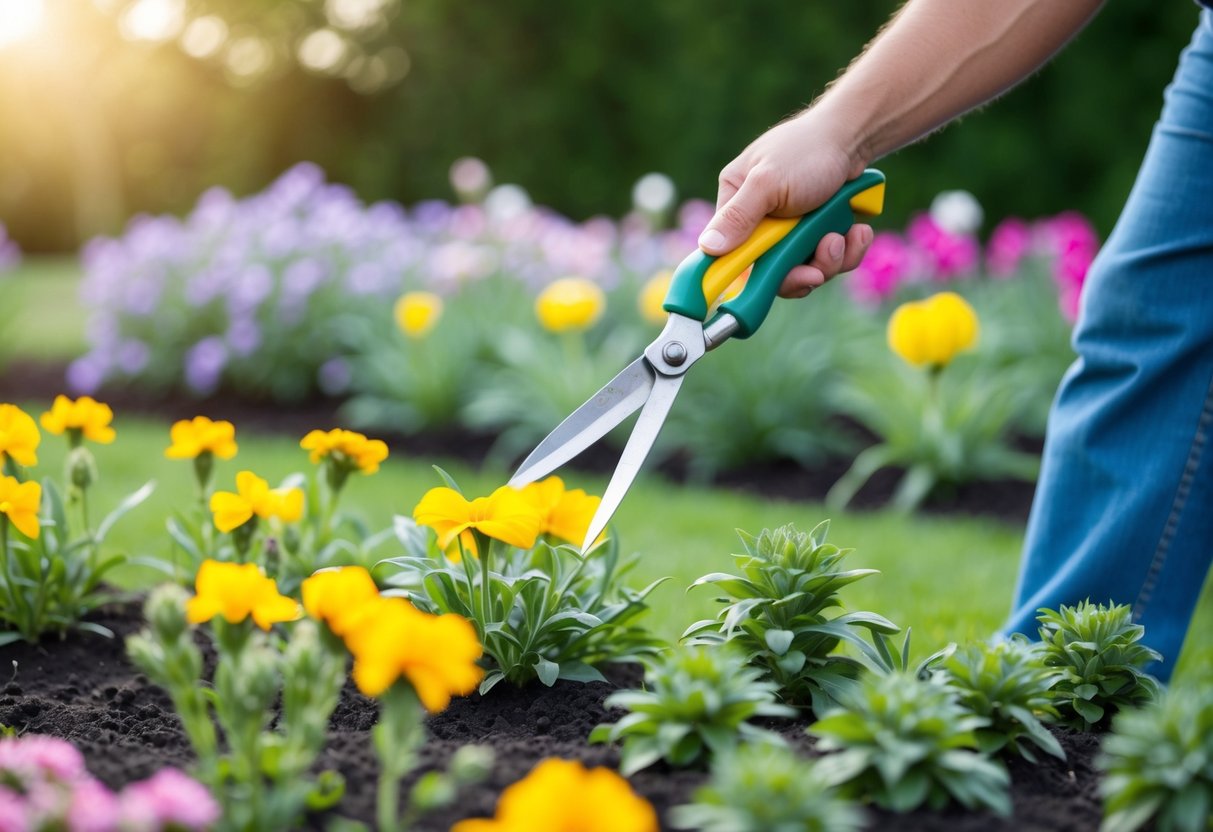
(844, 127)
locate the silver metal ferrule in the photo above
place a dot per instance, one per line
(719, 331)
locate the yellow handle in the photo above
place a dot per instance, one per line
(728, 267)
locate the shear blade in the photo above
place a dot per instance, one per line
(617, 400)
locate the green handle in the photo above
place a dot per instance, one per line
(862, 196)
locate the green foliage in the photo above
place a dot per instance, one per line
(696, 704)
(1007, 684)
(902, 741)
(776, 612)
(945, 429)
(547, 613)
(1101, 659)
(1158, 764)
(261, 771)
(48, 585)
(766, 788)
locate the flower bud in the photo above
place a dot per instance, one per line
(165, 612)
(433, 790)
(471, 764)
(259, 675)
(81, 467)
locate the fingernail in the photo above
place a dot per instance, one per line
(868, 236)
(711, 239)
(836, 248)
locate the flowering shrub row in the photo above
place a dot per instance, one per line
(444, 316)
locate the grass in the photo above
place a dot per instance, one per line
(44, 318)
(949, 578)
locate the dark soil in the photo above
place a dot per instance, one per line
(1007, 500)
(84, 690)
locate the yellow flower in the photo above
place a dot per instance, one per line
(455, 551)
(254, 496)
(19, 435)
(345, 447)
(436, 654)
(505, 515)
(417, 313)
(931, 332)
(563, 514)
(193, 437)
(340, 597)
(235, 591)
(563, 796)
(652, 296)
(85, 414)
(572, 303)
(19, 502)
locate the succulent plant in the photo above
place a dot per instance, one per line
(766, 788)
(1099, 653)
(1008, 684)
(782, 612)
(697, 704)
(902, 741)
(1158, 765)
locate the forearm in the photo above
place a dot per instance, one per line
(938, 59)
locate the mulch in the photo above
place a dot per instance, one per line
(84, 690)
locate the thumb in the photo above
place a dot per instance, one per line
(736, 219)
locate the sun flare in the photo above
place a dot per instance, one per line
(19, 19)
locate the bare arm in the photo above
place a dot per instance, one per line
(935, 60)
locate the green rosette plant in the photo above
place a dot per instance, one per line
(767, 788)
(53, 557)
(541, 609)
(902, 741)
(781, 611)
(1008, 684)
(1098, 652)
(697, 703)
(1157, 764)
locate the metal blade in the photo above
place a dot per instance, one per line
(616, 401)
(665, 390)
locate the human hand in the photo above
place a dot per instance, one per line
(777, 176)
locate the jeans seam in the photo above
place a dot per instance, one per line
(1195, 451)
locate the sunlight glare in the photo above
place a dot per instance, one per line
(354, 14)
(19, 19)
(203, 37)
(322, 50)
(154, 20)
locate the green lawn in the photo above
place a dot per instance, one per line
(44, 318)
(950, 579)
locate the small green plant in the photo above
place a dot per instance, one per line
(262, 775)
(1101, 660)
(778, 612)
(542, 611)
(697, 704)
(1008, 684)
(902, 741)
(1158, 765)
(53, 554)
(766, 788)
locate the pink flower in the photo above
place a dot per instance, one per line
(93, 808)
(947, 255)
(1009, 244)
(167, 798)
(1072, 242)
(13, 814)
(885, 267)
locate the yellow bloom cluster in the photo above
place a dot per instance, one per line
(572, 303)
(563, 796)
(563, 513)
(417, 313)
(931, 332)
(652, 296)
(193, 437)
(86, 415)
(234, 591)
(19, 502)
(254, 496)
(391, 639)
(345, 447)
(19, 435)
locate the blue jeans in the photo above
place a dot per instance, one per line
(1124, 506)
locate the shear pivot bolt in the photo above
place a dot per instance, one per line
(674, 353)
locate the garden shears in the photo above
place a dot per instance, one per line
(651, 382)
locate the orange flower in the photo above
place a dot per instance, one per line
(255, 497)
(86, 415)
(564, 514)
(235, 591)
(193, 437)
(505, 515)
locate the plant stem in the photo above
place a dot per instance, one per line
(397, 737)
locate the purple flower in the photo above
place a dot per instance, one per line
(334, 377)
(86, 374)
(1009, 244)
(204, 363)
(947, 255)
(886, 266)
(132, 356)
(10, 253)
(167, 799)
(694, 216)
(243, 336)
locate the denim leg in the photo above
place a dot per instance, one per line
(1124, 506)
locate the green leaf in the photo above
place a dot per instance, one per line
(779, 641)
(547, 671)
(448, 479)
(1089, 711)
(580, 672)
(123, 508)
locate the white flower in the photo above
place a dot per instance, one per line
(653, 193)
(957, 212)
